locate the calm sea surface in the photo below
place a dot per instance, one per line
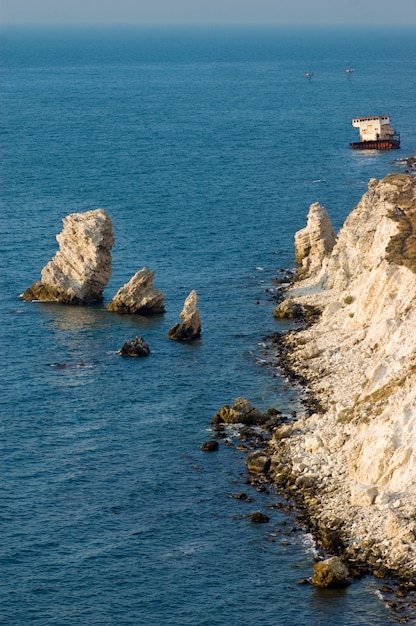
(206, 147)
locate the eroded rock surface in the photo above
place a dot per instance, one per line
(314, 242)
(258, 462)
(81, 268)
(330, 573)
(138, 296)
(359, 360)
(241, 412)
(136, 347)
(190, 328)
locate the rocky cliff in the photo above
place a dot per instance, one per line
(358, 452)
(81, 268)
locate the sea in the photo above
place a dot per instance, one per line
(206, 146)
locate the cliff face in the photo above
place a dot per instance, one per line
(314, 242)
(359, 360)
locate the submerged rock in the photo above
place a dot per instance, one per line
(259, 518)
(135, 347)
(81, 268)
(191, 327)
(138, 296)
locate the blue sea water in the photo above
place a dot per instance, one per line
(206, 146)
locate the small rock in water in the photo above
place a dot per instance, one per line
(135, 347)
(241, 496)
(242, 412)
(210, 446)
(330, 573)
(259, 518)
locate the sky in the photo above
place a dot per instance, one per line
(209, 11)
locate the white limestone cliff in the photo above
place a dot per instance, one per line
(359, 361)
(81, 268)
(314, 242)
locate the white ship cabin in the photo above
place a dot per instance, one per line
(374, 127)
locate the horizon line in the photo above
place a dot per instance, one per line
(210, 24)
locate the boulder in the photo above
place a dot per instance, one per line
(242, 412)
(241, 496)
(258, 462)
(191, 327)
(138, 296)
(81, 268)
(363, 495)
(291, 310)
(330, 540)
(330, 573)
(259, 518)
(210, 446)
(288, 309)
(135, 347)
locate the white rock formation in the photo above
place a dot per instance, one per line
(314, 242)
(81, 268)
(362, 369)
(138, 296)
(191, 327)
(363, 495)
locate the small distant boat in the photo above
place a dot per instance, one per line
(349, 71)
(376, 133)
(309, 75)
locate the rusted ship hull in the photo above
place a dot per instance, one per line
(377, 144)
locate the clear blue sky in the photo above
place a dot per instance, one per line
(209, 11)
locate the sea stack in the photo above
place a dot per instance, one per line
(358, 359)
(81, 268)
(314, 242)
(190, 329)
(138, 296)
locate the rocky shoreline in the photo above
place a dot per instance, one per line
(347, 463)
(354, 447)
(349, 459)
(270, 470)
